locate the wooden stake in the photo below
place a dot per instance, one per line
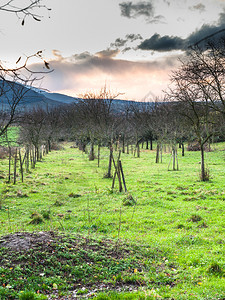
(10, 155)
(117, 172)
(121, 169)
(21, 165)
(15, 162)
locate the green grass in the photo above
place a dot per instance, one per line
(172, 230)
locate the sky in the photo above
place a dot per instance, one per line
(130, 46)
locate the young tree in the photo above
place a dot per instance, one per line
(97, 120)
(33, 129)
(188, 91)
(141, 121)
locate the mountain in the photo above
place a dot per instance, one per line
(61, 98)
(30, 97)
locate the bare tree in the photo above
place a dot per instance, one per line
(96, 116)
(189, 91)
(33, 129)
(13, 79)
(207, 71)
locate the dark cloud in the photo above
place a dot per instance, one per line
(128, 38)
(133, 37)
(199, 7)
(130, 10)
(162, 44)
(118, 43)
(170, 43)
(141, 8)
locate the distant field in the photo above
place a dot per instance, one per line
(174, 234)
(11, 137)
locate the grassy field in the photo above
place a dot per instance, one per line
(163, 239)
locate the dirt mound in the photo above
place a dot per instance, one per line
(26, 240)
(81, 266)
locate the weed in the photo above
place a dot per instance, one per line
(215, 269)
(106, 175)
(27, 295)
(46, 214)
(203, 225)
(195, 218)
(82, 292)
(20, 194)
(58, 203)
(129, 201)
(180, 226)
(206, 176)
(73, 195)
(36, 218)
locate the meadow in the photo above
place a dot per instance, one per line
(163, 239)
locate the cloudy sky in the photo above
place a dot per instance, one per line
(131, 46)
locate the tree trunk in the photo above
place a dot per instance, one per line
(157, 153)
(203, 173)
(98, 155)
(92, 154)
(27, 159)
(161, 150)
(33, 158)
(108, 175)
(151, 145)
(147, 145)
(37, 151)
(177, 161)
(174, 158)
(123, 139)
(138, 150)
(41, 149)
(127, 148)
(49, 146)
(182, 145)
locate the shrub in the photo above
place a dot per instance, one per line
(194, 146)
(55, 146)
